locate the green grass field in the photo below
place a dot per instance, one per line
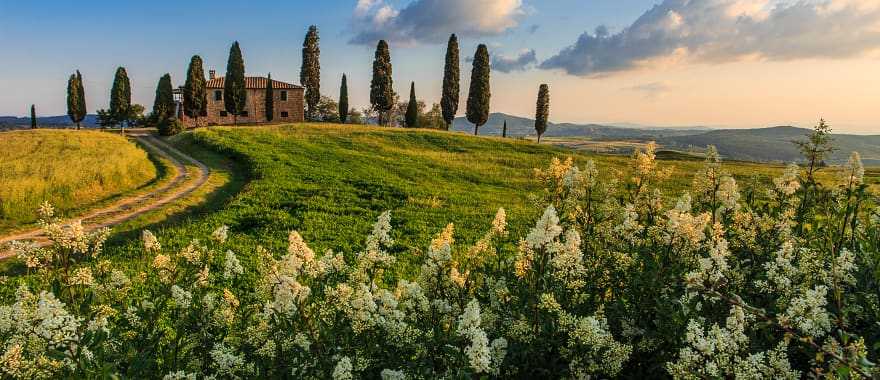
(73, 170)
(330, 182)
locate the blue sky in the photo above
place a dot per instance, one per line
(595, 76)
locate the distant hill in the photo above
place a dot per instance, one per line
(520, 127)
(775, 144)
(90, 120)
(762, 144)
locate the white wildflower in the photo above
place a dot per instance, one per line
(220, 234)
(231, 266)
(545, 231)
(151, 244)
(181, 297)
(343, 369)
(390, 374)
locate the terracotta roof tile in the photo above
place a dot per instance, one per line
(254, 83)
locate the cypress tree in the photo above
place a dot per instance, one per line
(504, 129)
(163, 105)
(451, 77)
(343, 100)
(33, 116)
(234, 93)
(75, 103)
(310, 73)
(412, 109)
(479, 95)
(542, 112)
(120, 96)
(270, 99)
(81, 99)
(382, 85)
(195, 92)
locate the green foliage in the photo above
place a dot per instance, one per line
(170, 126)
(433, 118)
(504, 129)
(76, 102)
(163, 105)
(234, 92)
(479, 94)
(327, 110)
(542, 111)
(310, 72)
(195, 92)
(382, 96)
(412, 108)
(270, 99)
(33, 116)
(343, 100)
(120, 97)
(451, 78)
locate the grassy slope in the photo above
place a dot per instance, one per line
(73, 170)
(330, 182)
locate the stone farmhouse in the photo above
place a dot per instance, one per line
(288, 105)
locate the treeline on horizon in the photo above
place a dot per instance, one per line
(385, 107)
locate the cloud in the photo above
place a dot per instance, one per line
(651, 90)
(432, 21)
(521, 62)
(725, 31)
(534, 28)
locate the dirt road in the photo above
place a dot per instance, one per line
(131, 207)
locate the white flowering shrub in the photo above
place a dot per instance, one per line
(614, 280)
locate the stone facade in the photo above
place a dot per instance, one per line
(289, 103)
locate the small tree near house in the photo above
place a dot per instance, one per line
(33, 116)
(270, 99)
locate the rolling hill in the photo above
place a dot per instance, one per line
(772, 144)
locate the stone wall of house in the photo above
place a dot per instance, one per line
(255, 107)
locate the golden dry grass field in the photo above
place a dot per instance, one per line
(71, 169)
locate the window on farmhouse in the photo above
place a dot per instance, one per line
(284, 114)
(223, 113)
(218, 95)
(283, 96)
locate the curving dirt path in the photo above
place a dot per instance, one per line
(131, 207)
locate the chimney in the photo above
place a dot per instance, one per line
(211, 74)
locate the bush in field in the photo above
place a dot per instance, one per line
(610, 282)
(170, 127)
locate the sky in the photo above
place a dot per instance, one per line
(718, 63)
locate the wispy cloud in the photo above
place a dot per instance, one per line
(520, 62)
(432, 21)
(727, 30)
(651, 90)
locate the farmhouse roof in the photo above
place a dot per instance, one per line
(254, 83)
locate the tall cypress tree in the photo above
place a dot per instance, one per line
(343, 100)
(76, 104)
(163, 105)
(479, 95)
(504, 129)
(310, 73)
(542, 112)
(270, 99)
(195, 92)
(234, 93)
(382, 85)
(412, 109)
(33, 116)
(451, 77)
(120, 96)
(81, 99)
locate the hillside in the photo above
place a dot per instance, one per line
(761, 144)
(70, 169)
